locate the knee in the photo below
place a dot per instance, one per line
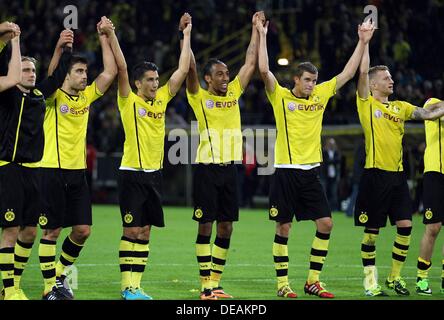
(131, 233)
(432, 230)
(283, 229)
(224, 230)
(325, 226)
(81, 233)
(51, 235)
(28, 234)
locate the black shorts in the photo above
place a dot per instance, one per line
(299, 193)
(20, 203)
(66, 199)
(140, 198)
(381, 194)
(215, 193)
(432, 193)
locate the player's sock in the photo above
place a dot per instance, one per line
(368, 255)
(7, 270)
(219, 257)
(70, 252)
(318, 254)
(281, 260)
(140, 257)
(400, 250)
(22, 252)
(126, 249)
(423, 269)
(47, 252)
(203, 254)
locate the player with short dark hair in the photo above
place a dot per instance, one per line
(296, 189)
(215, 186)
(383, 190)
(65, 192)
(22, 110)
(140, 175)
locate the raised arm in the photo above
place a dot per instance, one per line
(104, 79)
(365, 32)
(14, 75)
(247, 70)
(363, 82)
(432, 112)
(264, 68)
(180, 74)
(122, 68)
(192, 81)
(66, 39)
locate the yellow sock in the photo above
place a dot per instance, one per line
(22, 252)
(219, 258)
(47, 252)
(140, 258)
(423, 268)
(7, 270)
(319, 250)
(203, 254)
(280, 257)
(126, 249)
(400, 250)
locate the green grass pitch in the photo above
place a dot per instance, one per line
(172, 271)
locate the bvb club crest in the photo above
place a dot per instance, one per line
(428, 214)
(198, 213)
(363, 217)
(9, 215)
(43, 221)
(128, 217)
(274, 212)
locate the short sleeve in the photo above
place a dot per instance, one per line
(327, 89)
(409, 108)
(92, 93)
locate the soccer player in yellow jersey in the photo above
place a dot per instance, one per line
(65, 192)
(383, 189)
(215, 187)
(295, 189)
(432, 198)
(140, 177)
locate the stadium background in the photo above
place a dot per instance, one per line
(409, 41)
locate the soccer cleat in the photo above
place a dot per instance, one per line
(129, 294)
(399, 286)
(376, 291)
(317, 289)
(140, 294)
(207, 294)
(220, 293)
(63, 287)
(54, 294)
(286, 292)
(422, 287)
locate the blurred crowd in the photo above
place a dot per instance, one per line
(324, 32)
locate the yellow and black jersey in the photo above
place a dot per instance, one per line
(66, 123)
(299, 123)
(219, 124)
(383, 125)
(144, 125)
(434, 153)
